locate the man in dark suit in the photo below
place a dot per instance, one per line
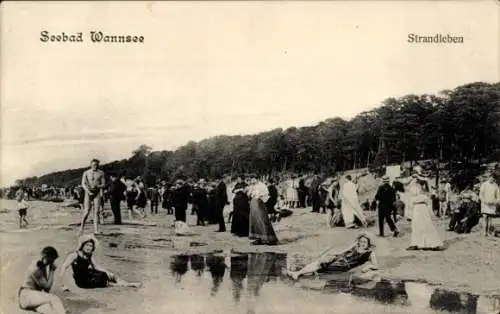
(180, 198)
(116, 192)
(221, 200)
(385, 197)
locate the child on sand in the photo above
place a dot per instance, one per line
(34, 294)
(85, 273)
(23, 205)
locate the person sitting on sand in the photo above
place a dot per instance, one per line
(465, 215)
(360, 253)
(35, 294)
(85, 273)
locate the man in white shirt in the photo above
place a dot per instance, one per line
(93, 183)
(443, 193)
(489, 195)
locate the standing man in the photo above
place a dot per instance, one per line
(386, 197)
(117, 191)
(180, 199)
(444, 191)
(489, 195)
(93, 183)
(302, 193)
(221, 200)
(200, 202)
(155, 199)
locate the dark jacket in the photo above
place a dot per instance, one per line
(116, 190)
(386, 196)
(221, 198)
(180, 197)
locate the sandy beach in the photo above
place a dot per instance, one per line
(140, 251)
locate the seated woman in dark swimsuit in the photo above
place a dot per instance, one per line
(361, 253)
(85, 272)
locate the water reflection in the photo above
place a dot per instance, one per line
(238, 273)
(453, 301)
(217, 267)
(197, 263)
(249, 273)
(179, 266)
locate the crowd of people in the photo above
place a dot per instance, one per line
(256, 205)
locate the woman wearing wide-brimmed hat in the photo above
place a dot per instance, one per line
(86, 274)
(424, 235)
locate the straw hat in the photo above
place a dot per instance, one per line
(467, 194)
(365, 235)
(86, 238)
(385, 178)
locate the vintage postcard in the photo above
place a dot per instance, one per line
(253, 157)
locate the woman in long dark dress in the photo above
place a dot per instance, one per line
(261, 229)
(241, 210)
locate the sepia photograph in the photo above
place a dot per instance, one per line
(250, 157)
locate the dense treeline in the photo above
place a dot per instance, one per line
(460, 126)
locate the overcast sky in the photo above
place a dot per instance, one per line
(218, 68)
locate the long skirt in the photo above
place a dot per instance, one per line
(260, 225)
(423, 232)
(241, 211)
(211, 213)
(291, 194)
(180, 213)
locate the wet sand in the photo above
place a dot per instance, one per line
(141, 251)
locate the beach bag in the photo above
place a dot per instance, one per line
(181, 228)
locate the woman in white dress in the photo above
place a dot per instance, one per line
(424, 235)
(292, 195)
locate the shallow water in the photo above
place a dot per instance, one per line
(255, 283)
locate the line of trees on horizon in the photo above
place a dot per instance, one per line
(459, 126)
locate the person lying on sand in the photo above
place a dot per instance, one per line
(34, 294)
(85, 273)
(360, 253)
